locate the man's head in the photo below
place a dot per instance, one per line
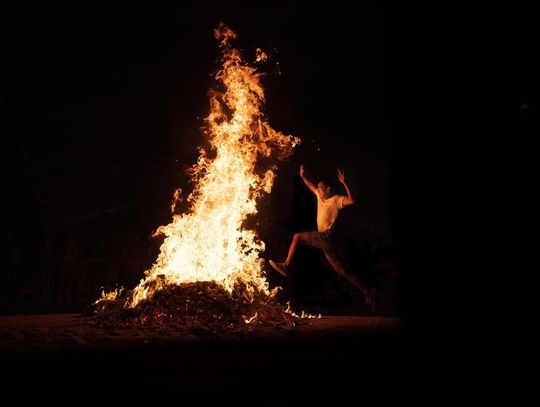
(324, 189)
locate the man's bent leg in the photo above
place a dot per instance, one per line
(304, 237)
(343, 270)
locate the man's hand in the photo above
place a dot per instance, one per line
(341, 176)
(312, 187)
(348, 200)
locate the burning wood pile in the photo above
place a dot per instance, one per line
(209, 273)
(195, 307)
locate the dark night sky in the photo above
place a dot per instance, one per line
(430, 109)
(105, 102)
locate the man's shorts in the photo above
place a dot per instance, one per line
(324, 241)
(332, 249)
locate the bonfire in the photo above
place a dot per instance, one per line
(209, 273)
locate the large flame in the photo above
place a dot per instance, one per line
(208, 242)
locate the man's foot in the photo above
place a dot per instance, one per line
(279, 267)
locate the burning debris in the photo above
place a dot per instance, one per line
(200, 307)
(209, 272)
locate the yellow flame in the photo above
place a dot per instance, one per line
(251, 319)
(261, 55)
(303, 315)
(110, 296)
(208, 242)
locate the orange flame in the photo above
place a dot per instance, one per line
(208, 241)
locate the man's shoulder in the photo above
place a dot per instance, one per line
(336, 198)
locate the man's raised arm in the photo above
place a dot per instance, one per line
(349, 199)
(306, 181)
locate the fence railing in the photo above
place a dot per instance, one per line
(71, 282)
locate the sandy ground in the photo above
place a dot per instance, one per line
(61, 359)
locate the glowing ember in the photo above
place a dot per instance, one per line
(208, 242)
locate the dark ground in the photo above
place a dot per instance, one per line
(58, 359)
